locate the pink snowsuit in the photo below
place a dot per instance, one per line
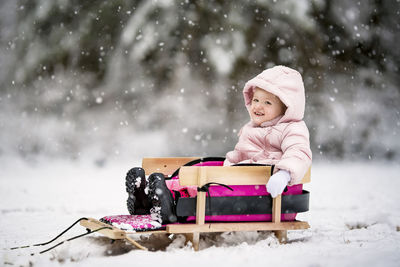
(283, 141)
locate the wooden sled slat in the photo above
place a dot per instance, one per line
(242, 175)
(237, 227)
(164, 165)
(229, 175)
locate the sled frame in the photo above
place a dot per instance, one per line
(199, 176)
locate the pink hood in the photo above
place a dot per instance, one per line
(286, 84)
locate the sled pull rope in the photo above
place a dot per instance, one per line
(55, 238)
(72, 238)
(206, 188)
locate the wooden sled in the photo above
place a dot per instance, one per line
(199, 176)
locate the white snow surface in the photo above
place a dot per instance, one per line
(354, 217)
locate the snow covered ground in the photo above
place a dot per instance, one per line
(354, 218)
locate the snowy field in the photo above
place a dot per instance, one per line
(354, 217)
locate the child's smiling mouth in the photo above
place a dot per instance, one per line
(258, 113)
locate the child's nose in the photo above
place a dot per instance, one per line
(258, 105)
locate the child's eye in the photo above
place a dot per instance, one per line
(268, 103)
(255, 100)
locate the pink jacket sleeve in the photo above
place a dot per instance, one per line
(297, 156)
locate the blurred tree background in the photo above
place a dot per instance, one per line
(123, 78)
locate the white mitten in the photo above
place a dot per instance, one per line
(278, 182)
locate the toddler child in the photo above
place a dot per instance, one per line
(276, 135)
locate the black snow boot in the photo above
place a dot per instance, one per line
(162, 199)
(138, 201)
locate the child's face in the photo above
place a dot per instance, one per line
(265, 106)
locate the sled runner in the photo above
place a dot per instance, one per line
(204, 214)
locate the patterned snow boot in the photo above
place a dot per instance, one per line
(161, 198)
(138, 201)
